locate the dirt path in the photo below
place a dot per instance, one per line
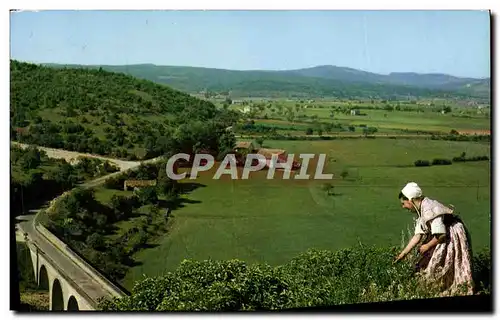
(72, 155)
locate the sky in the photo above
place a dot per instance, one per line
(450, 42)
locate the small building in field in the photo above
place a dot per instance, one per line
(355, 112)
(138, 184)
(269, 153)
(245, 147)
(246, 109)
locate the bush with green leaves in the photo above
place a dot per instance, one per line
(422, 163)
(438, 161)
(462, 158)
(312, 279)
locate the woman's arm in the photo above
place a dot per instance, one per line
(438, 230)
(413, 242)
(434, 241)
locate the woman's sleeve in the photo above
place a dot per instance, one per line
(418, 227)
(437, 226)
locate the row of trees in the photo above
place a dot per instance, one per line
(440, 161)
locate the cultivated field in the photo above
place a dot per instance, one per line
(298, 118)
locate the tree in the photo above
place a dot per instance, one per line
(260, 141)
(309, 131)
(344, 174)
(64, 175)
(164, 184)
(143, 237)
(369, 130)
(329, 127)
(226, 141)
(147, 195)
(95, 241)
(31, 159)
(328, 188)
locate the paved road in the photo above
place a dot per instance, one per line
(84, 280)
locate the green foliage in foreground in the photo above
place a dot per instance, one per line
(312, 279)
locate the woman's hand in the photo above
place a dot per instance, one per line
(429, 245)
(423, 248)
(399, 257)
(413, 242)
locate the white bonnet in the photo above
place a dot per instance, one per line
(411, 191)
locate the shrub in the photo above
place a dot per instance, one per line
(422, 163)
(115, 182)
(481, 271)
(441, 162)
(464, 159)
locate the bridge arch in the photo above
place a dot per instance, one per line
(57, 296)
(72, 304)
(67, 292)
(43, 279)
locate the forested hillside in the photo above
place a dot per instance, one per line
(321, 81)
(100, 112)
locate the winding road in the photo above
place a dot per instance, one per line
(26, 226)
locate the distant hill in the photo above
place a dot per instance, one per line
(310, 82)
(426, 80)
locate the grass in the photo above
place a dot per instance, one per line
(430, 121)
(34, 301)
(104, 195)
(259, 220)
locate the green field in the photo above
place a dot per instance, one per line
(295, 118)
(259, 220)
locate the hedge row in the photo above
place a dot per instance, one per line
(313, 279)
(464, 159)
(426, 163)
(475, 138)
